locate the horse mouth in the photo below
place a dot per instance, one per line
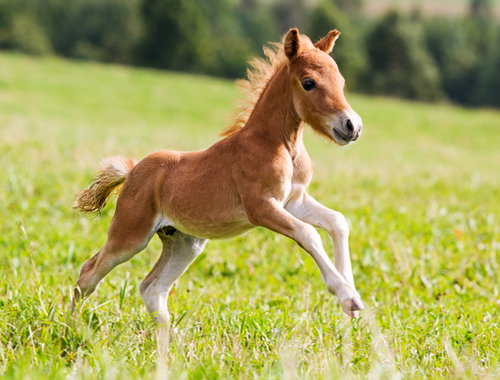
(340, 138)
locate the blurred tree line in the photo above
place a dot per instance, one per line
(411, 56)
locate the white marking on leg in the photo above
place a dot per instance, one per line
(272, 215)
(310, 211)
(307, 209)
(179, 251)
(336, 284)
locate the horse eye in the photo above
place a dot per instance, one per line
(308, 84)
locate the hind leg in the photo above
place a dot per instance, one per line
(179, 251)
(129, 233)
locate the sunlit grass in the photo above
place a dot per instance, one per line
(420, 191)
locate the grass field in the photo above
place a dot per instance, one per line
(420, 191)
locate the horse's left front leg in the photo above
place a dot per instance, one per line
(269, 213)
(307, 209)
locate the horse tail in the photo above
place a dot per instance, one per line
(105, 184)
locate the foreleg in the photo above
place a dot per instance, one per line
(310, 211)
(272, 215)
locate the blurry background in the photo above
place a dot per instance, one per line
(422, 49)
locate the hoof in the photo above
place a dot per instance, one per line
(352, 306)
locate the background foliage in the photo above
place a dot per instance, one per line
(406, 55)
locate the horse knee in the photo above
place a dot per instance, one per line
(339, 224)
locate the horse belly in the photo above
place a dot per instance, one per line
(206, 211)
(222, 230)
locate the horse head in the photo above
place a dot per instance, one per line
(318, 87)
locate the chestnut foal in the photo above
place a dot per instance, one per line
(256, 176)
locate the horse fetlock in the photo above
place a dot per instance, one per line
(160, 319)
(160, 313)
(156, 303)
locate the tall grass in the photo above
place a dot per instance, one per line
(420, 191)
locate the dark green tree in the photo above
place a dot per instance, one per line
(194, 35)
(487, 90)
(28, 36)
(7, 11)
(481, 10)
(257, 23)
(230, 46)
(289, 14)
(20, 28)
(176, 35)
(451, 44)
(104, 30)
(400, 64)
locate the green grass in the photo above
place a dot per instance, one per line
(420, 191)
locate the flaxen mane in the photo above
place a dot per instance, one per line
(258, 75)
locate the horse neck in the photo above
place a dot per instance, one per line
(274, 119)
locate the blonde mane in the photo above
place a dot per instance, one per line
(258, 75)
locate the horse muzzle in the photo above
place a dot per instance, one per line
(346, 127)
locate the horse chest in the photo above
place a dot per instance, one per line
(297, 182)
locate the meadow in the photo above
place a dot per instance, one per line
(420, 191)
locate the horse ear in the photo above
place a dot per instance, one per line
(292, 44)
(327, 42)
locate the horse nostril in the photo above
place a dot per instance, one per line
(349, 126)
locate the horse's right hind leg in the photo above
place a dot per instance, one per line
(179, 251)
(129, 233)
(98, 266)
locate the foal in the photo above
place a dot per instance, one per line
(256, 176)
